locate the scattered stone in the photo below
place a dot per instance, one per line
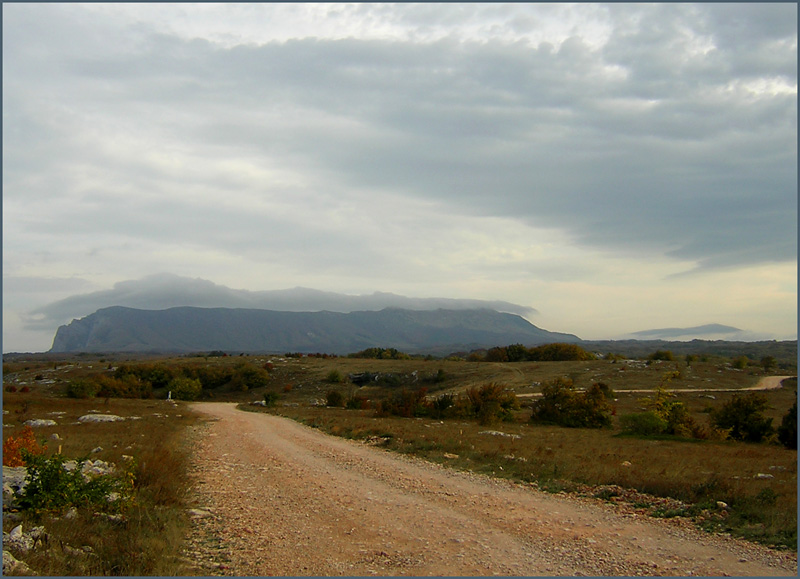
(626, 463)
(37, 422)
(55, 436)
(13, 566)
(498, 433)
(21, 541)
(722, 505)
(100, 418)
(762, 475)
(448, 455)
(200, 513)
(97, 449)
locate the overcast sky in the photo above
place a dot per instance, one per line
(615, 168)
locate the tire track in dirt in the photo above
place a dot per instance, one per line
(289, 500)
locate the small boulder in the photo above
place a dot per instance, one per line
(100, 418)
(37, 422)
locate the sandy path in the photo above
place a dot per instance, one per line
(289, 500)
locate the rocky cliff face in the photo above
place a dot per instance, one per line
(190, 329)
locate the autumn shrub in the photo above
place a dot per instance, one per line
(357, 402)
(128, 386)
(15, 447)
(406, 403)
(246, 377)
(441, 404)
(560, 404)
(558, 352)
(491, 403)
(742, 416)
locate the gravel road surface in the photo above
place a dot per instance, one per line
(278, 498)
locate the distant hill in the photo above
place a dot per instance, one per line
(193, 329)
(706, 331)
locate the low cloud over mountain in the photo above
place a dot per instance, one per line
(706, 332)
(162, 291)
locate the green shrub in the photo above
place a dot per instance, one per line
(270, 398)
(664, 355)
(183, 388)
(82, 389)
(740, 362)
(673, 413)
(334, 377)
(742, 417)
(643, 423)
(334, 398)
(50, 486)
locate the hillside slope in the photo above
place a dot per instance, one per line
(191, 329)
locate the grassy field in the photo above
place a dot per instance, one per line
(147, 539)
(662, 476)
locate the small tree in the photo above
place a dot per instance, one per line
(768, 363)
(742, 417)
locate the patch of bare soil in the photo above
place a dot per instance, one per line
(279, 498)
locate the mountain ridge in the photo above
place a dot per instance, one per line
(189, 329)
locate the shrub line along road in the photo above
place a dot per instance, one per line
(766, 383)
(285, 499)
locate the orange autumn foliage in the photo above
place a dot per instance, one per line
(12, 447)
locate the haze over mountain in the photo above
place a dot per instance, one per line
(191, 329)
(707, 331)
(165, 290)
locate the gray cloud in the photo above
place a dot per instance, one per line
(660, 131)
(545, 135)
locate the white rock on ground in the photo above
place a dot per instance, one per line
(100, 418)
(37, 422)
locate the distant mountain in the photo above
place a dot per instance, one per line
(706, 331)
(193, 329)
(165, 290)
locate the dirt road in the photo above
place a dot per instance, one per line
(285, 499)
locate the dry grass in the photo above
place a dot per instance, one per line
(696, 472)
(150, 538)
